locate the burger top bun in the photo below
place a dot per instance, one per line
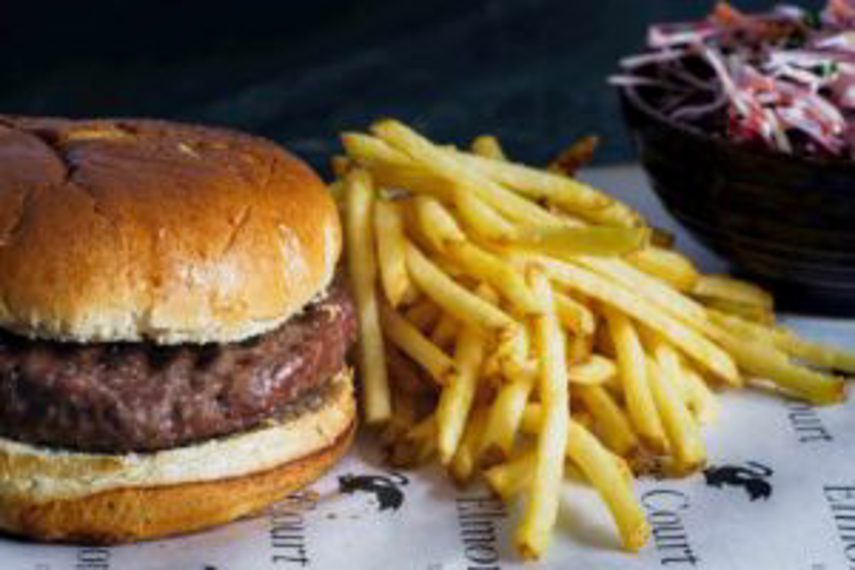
(131, 230)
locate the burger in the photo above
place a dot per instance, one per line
(173, 333)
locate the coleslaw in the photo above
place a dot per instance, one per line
(782, 80)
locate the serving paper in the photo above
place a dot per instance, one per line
(779, 492)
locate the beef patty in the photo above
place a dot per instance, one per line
(120, 397)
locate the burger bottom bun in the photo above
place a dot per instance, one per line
(102, 499)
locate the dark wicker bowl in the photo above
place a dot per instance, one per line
(787, 222)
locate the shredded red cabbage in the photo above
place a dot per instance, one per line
(783, 80)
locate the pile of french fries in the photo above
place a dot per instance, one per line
(523, 327)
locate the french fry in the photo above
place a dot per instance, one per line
(413, 178)
(425, 430)
(580, 348)
(594, 371)
(742, 327)
(753, 313)
(402, 443)
(417, 346)
(574, 316)
(785, 340)
(513, 354)
(389, 232)
(662, 238)
(683, 435)
(533, 534)
(504, 418)
(624, 469)
(606, 475)
(583, 418)
(436, 223)
(445, 332)
(423, 314)
(442, 231)
(403, 414)
(465, 462)
(609, 420)
(370, 150)
(566, 242)
(493, 270)
(492, 370)
(812, 353)
(667, 265)
(668, 360)
(463, 305)
(421, 440)
(667, 299)
(609, 480)
(340, 165)
(483, 219)
(567, 193)
(634, 377)
(764, 360)
(727, 288)
(701, 400)
(443, 164)
(538, 184)
(391, 168)
(603, 343)
(695, 345)
(456, 399)
(574, 157)
(362, 267)
(614, 387)
(488, 146)
(508, 479)
(504, 414)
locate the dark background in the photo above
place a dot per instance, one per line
(531, 71)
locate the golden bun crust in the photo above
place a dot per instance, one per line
(129, 515)
(88, 498)
(129, 230)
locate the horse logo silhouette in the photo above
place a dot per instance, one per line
(753, 478)
(386, 489)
